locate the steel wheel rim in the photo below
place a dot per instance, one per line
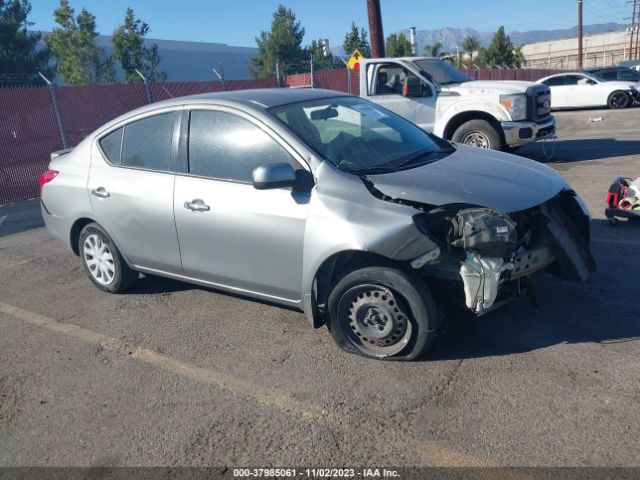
(376, 320)
(476, 139)
(618, 100)
(98, 259)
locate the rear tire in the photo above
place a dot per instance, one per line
(619, 100)
(478, 133)
(383, 312)
(102, 261)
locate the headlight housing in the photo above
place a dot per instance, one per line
(516, 105)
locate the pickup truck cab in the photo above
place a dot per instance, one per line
(499, 115)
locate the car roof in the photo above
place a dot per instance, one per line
(602, 69)
(258, 97)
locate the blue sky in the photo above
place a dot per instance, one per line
(237, 22)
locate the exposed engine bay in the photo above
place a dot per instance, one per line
(488, 250)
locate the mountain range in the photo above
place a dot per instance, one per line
(450, 37)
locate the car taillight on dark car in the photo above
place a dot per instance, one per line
(46, 177)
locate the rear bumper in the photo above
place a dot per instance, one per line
(524, 133)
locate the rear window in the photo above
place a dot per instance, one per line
(111, 145)
(147, 142)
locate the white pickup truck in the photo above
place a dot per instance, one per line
(436, 96)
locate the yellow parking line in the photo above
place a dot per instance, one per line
(430, 451)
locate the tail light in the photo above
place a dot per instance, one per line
(46, 177)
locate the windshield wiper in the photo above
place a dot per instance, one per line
(376, 170)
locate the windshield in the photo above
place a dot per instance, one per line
(441, 72)
(360, 137)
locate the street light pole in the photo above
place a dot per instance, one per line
(375, 27)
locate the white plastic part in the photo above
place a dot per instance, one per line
(481, 278)
(634, 188)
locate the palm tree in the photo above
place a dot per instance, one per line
(470, 46)
(434, 50)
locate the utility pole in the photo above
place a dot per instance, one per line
(579, 34)
(633, 31)
(375, 27)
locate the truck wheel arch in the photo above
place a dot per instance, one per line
(463, 117)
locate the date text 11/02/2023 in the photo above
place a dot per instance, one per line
(314, 473)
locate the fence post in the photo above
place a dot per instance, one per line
(278, 73)
(56, 109)
(147, 87)
(312, 70)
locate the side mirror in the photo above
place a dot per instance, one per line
(412, 87)
(273, 175)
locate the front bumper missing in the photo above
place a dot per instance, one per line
(524, 133)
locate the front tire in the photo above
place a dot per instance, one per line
(619, 100)
(383, 312)
(478, 133)
(102, 261)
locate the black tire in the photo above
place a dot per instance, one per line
(403, 324)
(119, 276)
(478, 133)
(619, 100)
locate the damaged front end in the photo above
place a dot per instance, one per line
(493, 253)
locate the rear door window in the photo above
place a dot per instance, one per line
(147, 142)
(554, 82)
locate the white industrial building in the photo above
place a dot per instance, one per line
(600, 50)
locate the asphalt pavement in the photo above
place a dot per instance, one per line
(174, 374)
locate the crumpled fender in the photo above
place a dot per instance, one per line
(344, 216)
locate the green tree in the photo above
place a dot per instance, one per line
(281, 44)
(357, 39)
(434, 50)
(129, 49)
(470, 46)
(519, 57)
(18, 48)
(78, 59)
(500, 52)
(397, 45)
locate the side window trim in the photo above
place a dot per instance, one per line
(294, 156)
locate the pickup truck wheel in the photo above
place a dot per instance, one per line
(102, 261)
(619, 100)
(383, 312)
(478, 133)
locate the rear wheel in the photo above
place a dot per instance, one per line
(619, 100)
(478, 133)
(383, 312)
(102, 261)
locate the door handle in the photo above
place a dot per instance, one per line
(100, 192)
(197, 205)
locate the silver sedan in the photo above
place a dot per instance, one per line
(314, 200)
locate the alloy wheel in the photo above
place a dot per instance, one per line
(99, 259)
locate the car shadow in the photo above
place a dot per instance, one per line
(570, 151)
(20, 217)
(604, 310)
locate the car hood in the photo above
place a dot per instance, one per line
(475, 176)
(490, 86)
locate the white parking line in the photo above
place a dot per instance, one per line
(430, 451)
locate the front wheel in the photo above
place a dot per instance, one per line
(383, 312)
(619, 100)
(478, 133)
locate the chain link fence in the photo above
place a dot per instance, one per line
(37, 119)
